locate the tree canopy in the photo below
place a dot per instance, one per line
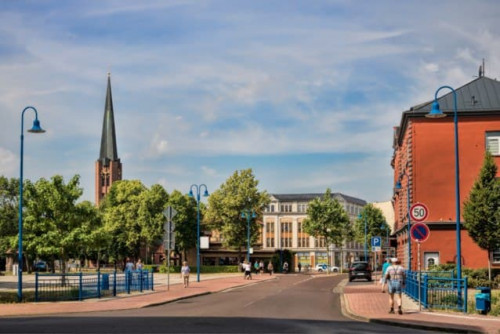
(226, 204)
(327, 218)
(375, 224)
(482, 208)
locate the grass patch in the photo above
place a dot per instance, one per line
(10, 297)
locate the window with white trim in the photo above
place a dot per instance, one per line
(495, 256)
(493, 142)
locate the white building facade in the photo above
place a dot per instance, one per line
(283, 229)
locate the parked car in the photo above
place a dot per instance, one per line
(360, 269)
(320, 267)
(40, 266)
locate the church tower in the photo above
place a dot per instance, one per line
(108, 167)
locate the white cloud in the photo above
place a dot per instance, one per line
(8, 162)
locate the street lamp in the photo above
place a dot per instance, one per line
(191, 194)
(408, 226)
(35, 129)
(360, 216)
(386, 229)
(248, 214)
(437, 113)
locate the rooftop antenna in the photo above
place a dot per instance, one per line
(481, 70)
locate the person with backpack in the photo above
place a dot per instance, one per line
(395, 275)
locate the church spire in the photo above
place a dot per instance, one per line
(108, 167)
(108, 138)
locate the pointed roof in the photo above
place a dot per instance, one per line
(481, 94)
(480, 97)
(108, 138)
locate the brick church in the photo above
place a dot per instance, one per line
(108, 167)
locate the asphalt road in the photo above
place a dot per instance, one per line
(290, 304)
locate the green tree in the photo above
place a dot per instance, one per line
(51, 219)
(226, 204)
(90, 238)
(9, 208)
(327, 218)
(151, 217)
(185, 221)
(482, 209)
(374, 219)
(120, 209)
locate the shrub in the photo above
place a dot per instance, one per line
(203, 269)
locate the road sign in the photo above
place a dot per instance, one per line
(419, 232)
(376, 242)
(419, 212)
(169, 213)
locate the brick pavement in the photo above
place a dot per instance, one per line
(366, 302)
(134, 300)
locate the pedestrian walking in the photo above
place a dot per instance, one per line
(300, 266)
(383, 280)
(270, 268)
(256, 267)
(395, 275)
(261, 267)
(285, 267)
(138, 265)
(129, 265)
(247, 268)
(185, 270)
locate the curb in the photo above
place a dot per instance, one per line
(346, 311)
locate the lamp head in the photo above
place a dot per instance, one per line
(191, 193)
(36, 127)
(398, 185)
(435, 111)
(205, 194)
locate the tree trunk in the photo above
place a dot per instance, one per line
(341, 259)
(328, 257)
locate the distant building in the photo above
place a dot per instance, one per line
(108, 167)
(424, 164)
(282, 229)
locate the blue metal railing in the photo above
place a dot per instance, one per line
(80, 286)
(437, 292)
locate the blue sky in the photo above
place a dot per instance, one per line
(306, 93)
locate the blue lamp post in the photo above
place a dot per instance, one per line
(35, 129)
(437, 113)
(386, 229)
(360, 216)
(398, 187)
(248, 214)
(197, 189)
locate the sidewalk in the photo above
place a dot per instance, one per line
(366, 302)
(207, 285)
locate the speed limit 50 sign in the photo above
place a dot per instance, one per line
(419, 212)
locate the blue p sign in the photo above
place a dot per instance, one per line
(376, 241)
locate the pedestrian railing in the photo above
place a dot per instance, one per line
(80, 286)
(437, 292)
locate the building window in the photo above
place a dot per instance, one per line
(319, 242)
(286, 234)
(493, 142)
(272, 207)
(270, 234)
(496, 256)
(302, 237)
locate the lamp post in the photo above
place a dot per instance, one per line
(197, 189)
(248, 214)
(437, 113)
(364, 218)
(386, 229)
(408, 226)
(35, 129)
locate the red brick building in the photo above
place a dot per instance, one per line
(424, 161)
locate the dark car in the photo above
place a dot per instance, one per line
(40, 266)
(360, 270)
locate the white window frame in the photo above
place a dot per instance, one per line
(493, 136)
(495, 256)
